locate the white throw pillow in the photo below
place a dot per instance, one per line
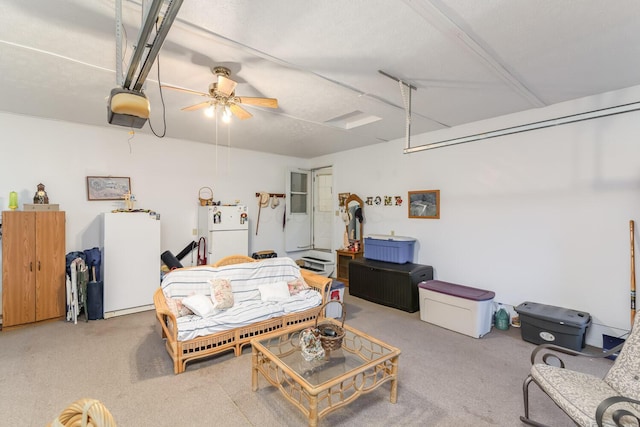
(200, 304)
(277, 291)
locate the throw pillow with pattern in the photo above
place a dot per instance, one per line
(177, 308)
(297, 285)
(221, 294)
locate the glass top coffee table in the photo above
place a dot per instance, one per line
(318, 387)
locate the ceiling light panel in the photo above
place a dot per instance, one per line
(353, 120)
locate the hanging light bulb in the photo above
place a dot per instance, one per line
(226, 114)
(210, 111)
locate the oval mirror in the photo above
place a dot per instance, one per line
(355, 211)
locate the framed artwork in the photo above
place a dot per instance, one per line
(108, 187)
(424, 204)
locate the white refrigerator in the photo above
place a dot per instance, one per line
(225, 230)
(131, 262)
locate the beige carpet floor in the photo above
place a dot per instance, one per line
(445, 378)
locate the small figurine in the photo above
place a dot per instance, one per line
(41, 197)
(128, 200)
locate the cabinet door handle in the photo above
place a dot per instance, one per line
(31, 266)
(38, 265)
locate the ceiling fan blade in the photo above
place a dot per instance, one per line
(226, 85)
(260, 102)
(197, 106)
(184, 90)
(240, 112)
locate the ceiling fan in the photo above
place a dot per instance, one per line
(222, 94)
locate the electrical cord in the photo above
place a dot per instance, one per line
(164, 109)
(132, 133)
(124, 54)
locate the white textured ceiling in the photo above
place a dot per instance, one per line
(469, 60)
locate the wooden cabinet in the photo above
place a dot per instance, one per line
(33, 266)
(343, 260)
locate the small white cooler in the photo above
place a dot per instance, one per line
(456, 307)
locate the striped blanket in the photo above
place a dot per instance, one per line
(248, 307)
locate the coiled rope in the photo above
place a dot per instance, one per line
(84, 413)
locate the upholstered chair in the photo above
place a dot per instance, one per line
(588, 400)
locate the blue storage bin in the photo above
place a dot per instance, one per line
(396, 249)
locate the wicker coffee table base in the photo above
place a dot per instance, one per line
(317, 401)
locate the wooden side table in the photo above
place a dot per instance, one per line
(342, 261)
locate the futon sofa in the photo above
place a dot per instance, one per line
(255, 304)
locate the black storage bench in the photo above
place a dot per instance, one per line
(388, 283)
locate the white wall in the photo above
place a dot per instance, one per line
(166, 175)
(541, 216)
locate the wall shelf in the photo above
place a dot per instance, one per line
(278, 195)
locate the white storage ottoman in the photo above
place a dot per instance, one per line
(456, 307)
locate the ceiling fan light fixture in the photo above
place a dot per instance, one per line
(226, 114)
(222, 93)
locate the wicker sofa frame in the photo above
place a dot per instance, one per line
(235, 339)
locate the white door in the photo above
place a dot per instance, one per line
(297, 234)
(322, 208)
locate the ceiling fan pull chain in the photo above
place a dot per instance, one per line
(215, 114)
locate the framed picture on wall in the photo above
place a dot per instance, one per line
(424, 204)
(108, 187)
